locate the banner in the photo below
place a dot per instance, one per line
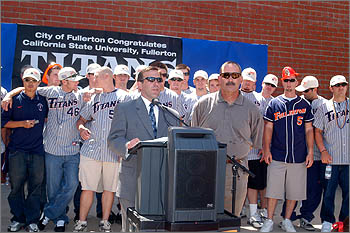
(210, 55)
(8, 43)
(38, 46)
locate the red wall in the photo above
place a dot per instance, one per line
(311, 37)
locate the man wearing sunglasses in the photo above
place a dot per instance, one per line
(287, 148)
(236, 121)
(186, 71)
(308, 87)
(332, 138)
(135, 121)
(185, 101)
(26, 118)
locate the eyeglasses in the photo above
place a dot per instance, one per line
(165, 75)
(292, 80)
(307, 90)
(269, 84)
(187, 74)
(227, 75)
(340, 85)
(29, 80)
(152, 79)
(176, 79)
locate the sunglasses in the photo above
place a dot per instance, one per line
(269, 84)
(72, 76)
(310, 89)
(292, 80)
(340, 85)
(165, 75)
(227, 75)
(29, 80)
(176, 79)
(152, 79)
(187, 74)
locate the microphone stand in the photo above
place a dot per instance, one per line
(235, 166)
(156, 102)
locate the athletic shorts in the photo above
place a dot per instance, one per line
(260, 171)
(98, 176)
(286, 180)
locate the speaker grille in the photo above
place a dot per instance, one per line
(195, 179)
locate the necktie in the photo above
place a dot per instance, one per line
(152, 117)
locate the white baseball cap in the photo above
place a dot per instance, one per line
(214, 76)
(69, 73)
(176, 74)
(121, 69)
(307, 83)
(249, 74)
(32, 73)
(91, 69)
(271, 78)
(337, 79)
(200, 73)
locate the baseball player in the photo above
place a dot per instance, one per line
(98, 164)
(214, 83)
(200, 80)
(186, 71)
(287, 148)
(332, 139)
(121, 76)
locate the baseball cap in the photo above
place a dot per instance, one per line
(337, 79)
(271, 78)
(69, 73)
(91, 69)
(121, 69)
(249, 74)
(307, 83)
(200, 73)
(288, 72)
(176, 74)
(32, 73)
(213, 76)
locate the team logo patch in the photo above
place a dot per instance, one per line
(286, 72)
(40, 107)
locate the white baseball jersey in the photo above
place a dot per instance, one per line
(315, 104)
(185, 106)
(61, 134)
(189, 90)
(99, 111)
(3, 93)
(168, 98)
(261, 103)
(336, 139)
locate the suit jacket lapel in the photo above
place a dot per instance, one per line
(162, 124)
(143, 115)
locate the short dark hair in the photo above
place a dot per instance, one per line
(140, 77)
(159, 64)
(55, 67)
(230, 62)
(24, 69)
(182, 67)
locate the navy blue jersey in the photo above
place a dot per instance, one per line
(23, 108)
(288, 142)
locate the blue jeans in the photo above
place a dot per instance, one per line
(340, 175)
(62, 181)
(25, 167)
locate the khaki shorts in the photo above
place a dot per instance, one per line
(98, 176)
(286, 180)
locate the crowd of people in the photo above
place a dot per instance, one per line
(71, 143)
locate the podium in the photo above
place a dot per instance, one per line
(180, 183)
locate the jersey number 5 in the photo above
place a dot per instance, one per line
(299, 120)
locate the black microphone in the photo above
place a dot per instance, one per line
(155, 101)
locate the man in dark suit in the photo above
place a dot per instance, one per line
(135, 121)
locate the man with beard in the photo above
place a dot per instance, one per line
(236, 122)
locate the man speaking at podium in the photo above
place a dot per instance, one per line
(236, 122)
(134, 121)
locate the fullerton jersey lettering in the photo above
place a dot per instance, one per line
(99, 112)
(336, 140)
(61, 134)
(261, 103)
(288, 142)
(168, 98)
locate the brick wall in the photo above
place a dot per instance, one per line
(312, 37)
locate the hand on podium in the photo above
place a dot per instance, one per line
(132, 143)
